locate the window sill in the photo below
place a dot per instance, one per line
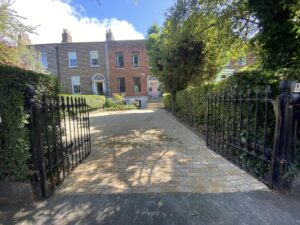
(136, 67)
(95, 66)
(120, 68)
(73, 66)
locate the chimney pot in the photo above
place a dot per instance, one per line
(109, 35)
(66, 36)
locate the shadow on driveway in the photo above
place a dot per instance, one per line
(258, 207)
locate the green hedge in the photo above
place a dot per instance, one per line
(167, 100)
(191, 105)
(191, 102)
(14, 135)
(93, 101)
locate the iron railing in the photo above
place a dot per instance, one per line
(60, 140)
(254, 131)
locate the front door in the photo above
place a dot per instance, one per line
(154, 87)
(100, 88)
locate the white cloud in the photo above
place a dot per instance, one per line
(51, 16)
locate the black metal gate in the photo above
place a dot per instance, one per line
(254, 131)
(60, 139)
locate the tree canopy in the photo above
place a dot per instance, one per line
(279, 34)
(12, 50)
(199, 36)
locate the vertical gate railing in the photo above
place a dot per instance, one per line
(254, 131)
(287, 136)
(60, 139)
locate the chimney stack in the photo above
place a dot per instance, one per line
(109, 35)
(24, 39)
(66, 36)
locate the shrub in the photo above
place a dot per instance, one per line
(119, 98)
(93, 101)
(117, 103)
(109, 102)
(191, 104)
(167, 99)
(14, 134)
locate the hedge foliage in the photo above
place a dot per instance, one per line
(93, 101)
(167, 100)
(14, 135)
(191, 105)
(191, 102)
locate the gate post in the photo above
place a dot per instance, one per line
(38, 166)
(285, 134)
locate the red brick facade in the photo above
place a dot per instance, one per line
(128, 72)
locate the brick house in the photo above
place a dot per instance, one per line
(128, 68)
(100, 68)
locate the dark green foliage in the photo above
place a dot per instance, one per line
(191, 102)
(279, 22)
(191, 105)
(14, 135)
(176, 57)
(93, 101)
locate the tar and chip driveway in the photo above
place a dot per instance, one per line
(147, 168)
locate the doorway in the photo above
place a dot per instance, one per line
(99, 84)
(100, 89)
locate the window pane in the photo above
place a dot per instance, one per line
(121, 84)
(75, 80)
(76, 89)
(120, 59)
(95, 62)
(44, 60)
(135, 59)
(72, 59)
(137, 84)
(94, 58)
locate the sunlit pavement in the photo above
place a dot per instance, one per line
(147, 168)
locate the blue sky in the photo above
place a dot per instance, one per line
(88, 21)
(141, 13)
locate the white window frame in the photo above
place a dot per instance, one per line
(75, 81)
(45, 57)
(92, 53)
(139, 59)
(69, 56)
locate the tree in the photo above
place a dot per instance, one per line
(279, 35)
(174, 57)
(12, 50)
(197, 39)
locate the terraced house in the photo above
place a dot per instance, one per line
(101, 68)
